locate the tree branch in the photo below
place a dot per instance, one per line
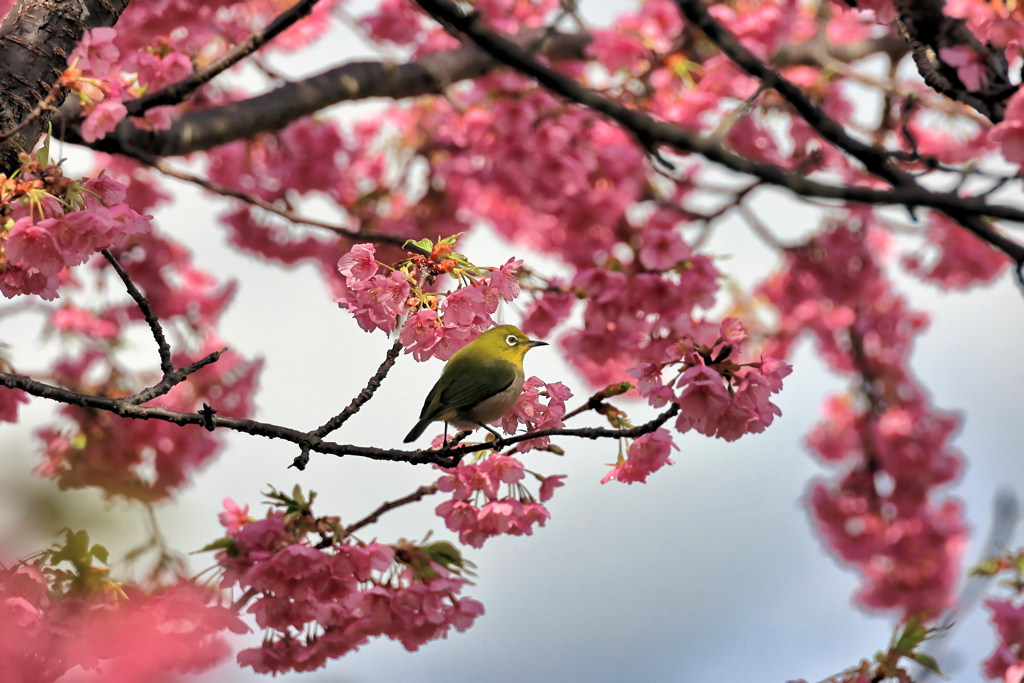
(253, 199)
(419, 494)
(652, 133)
(147, 312)
(445, 457)
(183, 89)
(197, 131)
(35, 41)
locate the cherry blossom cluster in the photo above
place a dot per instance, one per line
(142, 459)
(478, 511)
(884, 514)
(1007, 662)
(438, 324)
(60, 611)
(335, 591)
(52, 222)
(719, 396)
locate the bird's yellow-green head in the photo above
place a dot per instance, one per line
(505, 342)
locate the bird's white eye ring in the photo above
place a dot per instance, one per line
(511, 340)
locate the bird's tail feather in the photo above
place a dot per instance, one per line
(418, 430)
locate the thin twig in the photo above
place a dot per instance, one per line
(147, 312)
(243, 600)
(45, 104)
(372, 518)
(180, 91)
(338, 420)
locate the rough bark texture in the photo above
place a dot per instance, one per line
(197, 131)
(35, 41)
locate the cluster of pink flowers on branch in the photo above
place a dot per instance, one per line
(438, 324)
(1007, 662)
(312, 578)
(60, 611)
(477, 511)
(719, 396)
(51, 222)
(883, 514)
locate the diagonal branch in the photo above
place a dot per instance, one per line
(419, 494)
(255, 200)
(147, 312)
(652, 134)
(197, 131)
(183, 89)
(365, 395)
(875, 159)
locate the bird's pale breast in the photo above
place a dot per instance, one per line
(490, 409)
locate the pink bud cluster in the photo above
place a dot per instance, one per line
(41, 238)
(129, 635)
(477, 511)
(883, 514)
(339, 597)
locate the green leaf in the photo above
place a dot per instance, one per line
(220, 544)
(100, 553)
(913, 635)
(928, 662)
(424, 244)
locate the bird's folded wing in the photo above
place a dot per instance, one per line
(472, 387)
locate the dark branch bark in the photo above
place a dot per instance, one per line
(198, 131)
(652, 133)
(35, 41)
(445, 457)
(927, 30)
(147, 312)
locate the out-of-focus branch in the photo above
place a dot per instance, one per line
(35, 41)
(652, 133)
(183, 89)
(197, 131)
(249, 198)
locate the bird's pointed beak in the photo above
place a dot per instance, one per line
(534, 342)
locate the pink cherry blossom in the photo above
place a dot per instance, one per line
(647, 455)
(102, 120)
(358, 264)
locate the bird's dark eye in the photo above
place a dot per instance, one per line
(511, 340)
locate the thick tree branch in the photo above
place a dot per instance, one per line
(927, 30)
(197, 131)
(652, 134)
(445, 457)
(35, 41)
(183, 89)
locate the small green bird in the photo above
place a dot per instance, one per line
(480, 382)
